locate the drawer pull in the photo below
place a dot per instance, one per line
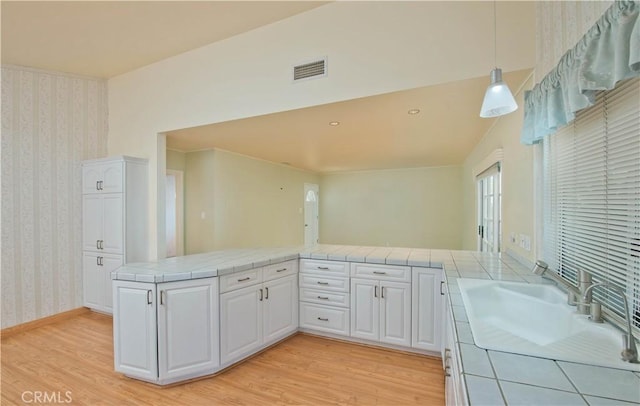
(244, 279)
(323, 297)
(375, 291)
(324, 268)
(323, 283)
(281, 270)
(446, 371)
(322, 319)
(379, 273)
(441, 286)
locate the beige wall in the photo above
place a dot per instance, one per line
(517, 182)
(176, 160)
(250, 74)
(403, 207)
(51, 121)
(199, 203)
(246, 202)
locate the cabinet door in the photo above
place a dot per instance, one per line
(426, 309)
(109, 264)
(188, 328)
(134, 329)
(113, 221)
(92, 218)
(240, 323)
(112, 177)
(365, 309)
(395, 313)
(91, 175)
(280, 308)
(93, 281)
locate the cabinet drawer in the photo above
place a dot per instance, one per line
(275, 271)
(324, 298)
(324, 318)
(381, 272)
(320, 282)
(240, 279)
(327, 268)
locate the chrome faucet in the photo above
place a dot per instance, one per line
(574, 292)
(629, 352)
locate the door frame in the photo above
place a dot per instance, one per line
(179, 175)
(316, 222)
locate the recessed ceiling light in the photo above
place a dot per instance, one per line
(413, 111)
(334, 123)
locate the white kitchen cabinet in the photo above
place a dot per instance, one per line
(280, 308)
(324, 296)
(103, 176)
(254, 316)
(114, 220)
(188, 328)
(454, 384)
(240, 323)
(135, 337)
(166, 332)
(103, 223)
(381, 311)
(427, 302)
(96, 273)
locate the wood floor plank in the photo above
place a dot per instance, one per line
(76, 355)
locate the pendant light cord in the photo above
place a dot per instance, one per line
(495, 36)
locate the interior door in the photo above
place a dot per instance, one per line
(311, 213)
(489, 211)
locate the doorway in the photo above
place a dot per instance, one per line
(174, 206)
(489, 209)
(311, 204)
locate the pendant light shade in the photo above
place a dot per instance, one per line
(498, 99)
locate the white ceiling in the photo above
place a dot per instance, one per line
(374, 133)
(107, 38)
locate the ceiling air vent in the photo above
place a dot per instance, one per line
(310, 70)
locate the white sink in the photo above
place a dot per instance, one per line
(535, 320)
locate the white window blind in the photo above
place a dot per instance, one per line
(591, 202)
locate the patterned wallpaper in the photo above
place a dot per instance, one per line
(559, 27)
(50, 123)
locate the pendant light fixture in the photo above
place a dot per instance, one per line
(498, 99)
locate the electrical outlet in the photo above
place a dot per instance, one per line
(525, 242)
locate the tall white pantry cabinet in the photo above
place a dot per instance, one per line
(114, 223)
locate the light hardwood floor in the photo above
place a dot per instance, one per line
(76, 355)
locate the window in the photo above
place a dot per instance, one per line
(591, 197)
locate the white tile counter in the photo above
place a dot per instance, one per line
(500, 378)
(224, 262)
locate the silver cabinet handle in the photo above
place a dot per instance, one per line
(261, 295)
(375, 291)
(323, 283)
(149, 297)
(97, 244)
(162, 297)
(446, 371)
(323, 298)
(266, 296)
(441, 286)
(244, 279)
(281, 270)
(382, 292)
(379, 273)
(324, 268)
(100, 185)
(98, 261)
(322, 319)
(97, 185)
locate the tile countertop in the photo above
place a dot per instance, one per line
(223, 262)
(499, 378)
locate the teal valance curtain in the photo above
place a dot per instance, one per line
(607, 53)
